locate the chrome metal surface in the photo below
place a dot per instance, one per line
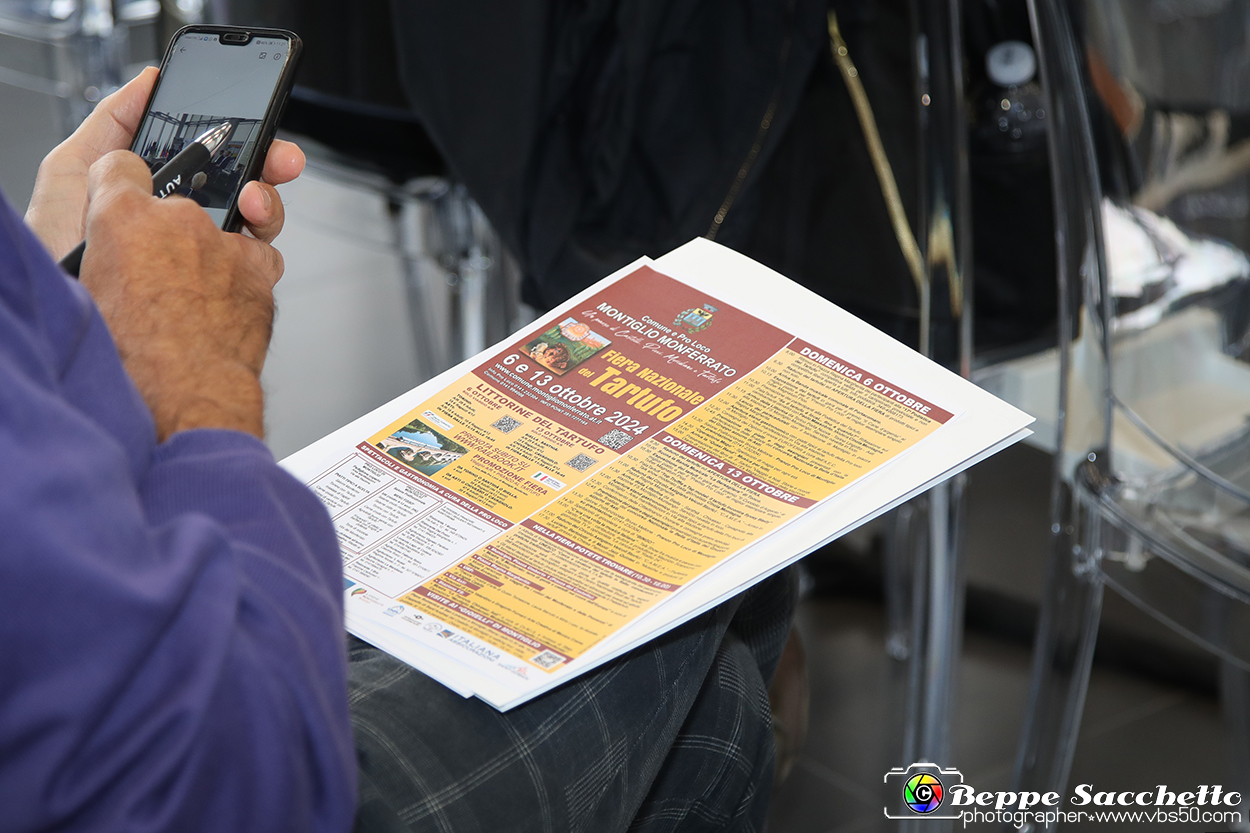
(213, 138)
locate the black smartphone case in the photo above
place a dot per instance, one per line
(273, 114)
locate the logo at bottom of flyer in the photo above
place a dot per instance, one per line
(362, 594)
(921, 791)
(547, 480)
(521, 671)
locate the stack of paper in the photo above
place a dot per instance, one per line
(670, 436)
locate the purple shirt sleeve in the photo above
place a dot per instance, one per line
(171, 643)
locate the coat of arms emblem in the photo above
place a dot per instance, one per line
(695, 320)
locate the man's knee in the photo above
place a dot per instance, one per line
(764, 616)
(719, 771)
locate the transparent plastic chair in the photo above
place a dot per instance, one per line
(924, 546)
(1152, 479)
(77, 51)
(923, 549)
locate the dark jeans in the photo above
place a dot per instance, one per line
(675, 736)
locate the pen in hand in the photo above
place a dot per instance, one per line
(168, 178)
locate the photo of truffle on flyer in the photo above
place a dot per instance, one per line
(565, 346)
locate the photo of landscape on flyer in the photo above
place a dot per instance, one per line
(421, 448)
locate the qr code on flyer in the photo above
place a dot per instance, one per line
(547, 659)
(615, 439)
(581, 462)
(505, 424)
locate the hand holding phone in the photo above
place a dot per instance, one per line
(58, 205)
(189, 306)
(212, 168)
(186, 168)
(214, 76)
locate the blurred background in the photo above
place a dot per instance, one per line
(1056, 205)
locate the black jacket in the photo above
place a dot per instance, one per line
(594, 132)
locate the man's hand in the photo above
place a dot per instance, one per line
(189, 306)
(58, 207)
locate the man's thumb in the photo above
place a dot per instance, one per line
(114, 121)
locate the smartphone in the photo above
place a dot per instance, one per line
(212, 75)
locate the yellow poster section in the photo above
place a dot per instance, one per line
(531, 585)
(803, 427)
(664, 514)
(655, 519)
(661, 516)
(504, 456)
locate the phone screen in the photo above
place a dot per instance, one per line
(206, 83)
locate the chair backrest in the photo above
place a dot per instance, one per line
(76, 50)
(1152, 464)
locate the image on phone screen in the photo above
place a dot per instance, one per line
(206, 83)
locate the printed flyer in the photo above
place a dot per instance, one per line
(514, 521)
